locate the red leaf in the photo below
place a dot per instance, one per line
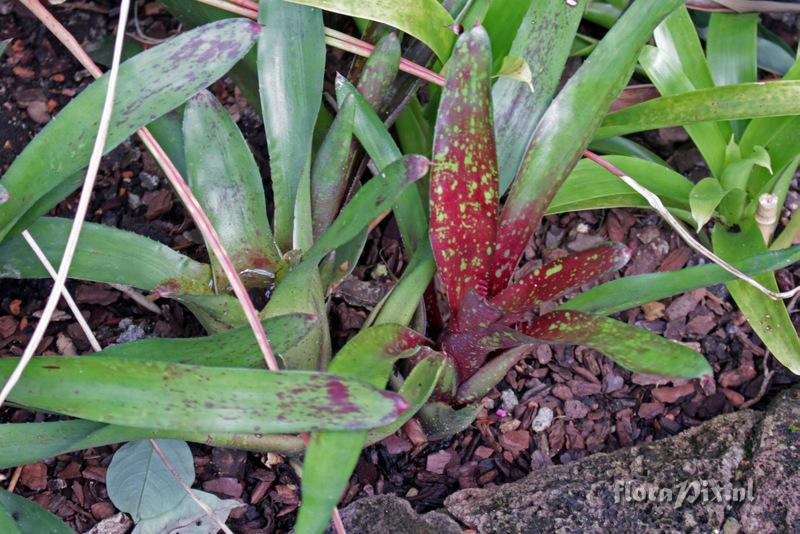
(463, 194)
(559, 276)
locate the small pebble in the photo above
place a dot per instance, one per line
(543, 419)
(509, 400)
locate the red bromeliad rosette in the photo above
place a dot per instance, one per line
(490, 321)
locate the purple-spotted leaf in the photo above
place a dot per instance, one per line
(192, 398)
(633, 348)
(224, 177)
(557, 277)
(332, 456)
(463, 193)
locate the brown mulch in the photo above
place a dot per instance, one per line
(558, 405)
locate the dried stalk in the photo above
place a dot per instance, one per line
(80, 214)
(179, 185)
(87, 331)
(657, 205)
(767, 215)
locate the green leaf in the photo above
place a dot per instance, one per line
(332, 456)
(625, 293)
(767, 317)
(234, 348)
(542, 41)
(3, 45)
(774, 55)
(224, 177)
(633, 348)
(516, 68)
(139, 483)
(589, 186)
(464, 199)
(677, 38)
(300, 291)
(409, 212)
(704, 199)
(24, 443)
(245, 72)
(426, 20)
(374, 198)
(621, 146)
(150, 84)
(30, 518)
(291, 66)
(566, 129)
(199, 399)
(329, 174)
(666, 72)
(732, 207)
(731, 50)
(106, 254)
(440, 420)
(217, 313)
(417, 388)
(188, 512)
(404, 299)
(746, 100)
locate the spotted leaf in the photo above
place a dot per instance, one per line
(634, 349)
(559, 276)
(463, 196)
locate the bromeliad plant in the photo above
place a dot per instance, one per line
(747, 132)
(493, 320)
(487, 137)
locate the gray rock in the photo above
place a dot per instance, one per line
(752, 459)
(386, 513)
(738, 473)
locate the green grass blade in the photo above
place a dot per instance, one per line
(106, 254)
(767, 317)
(332, 456)
(632, 291)
(426, 20)
(150, 84)
(589, 186)
(732, 52)
(199, 399)
(747, 100)
(224, 177)
(543, 40)
(567, 127)
(291, 66)
(677, 38)
(666, 72)
(635, 349)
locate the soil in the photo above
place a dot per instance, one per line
(556, 406)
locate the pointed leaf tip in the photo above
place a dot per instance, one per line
(464, 187)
